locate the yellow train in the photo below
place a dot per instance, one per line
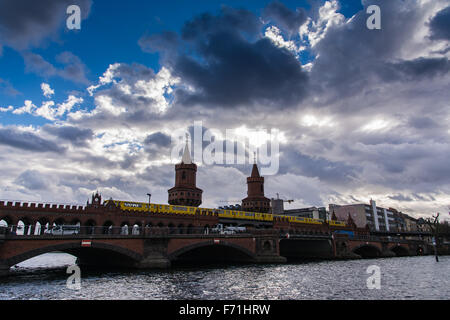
(222, 213)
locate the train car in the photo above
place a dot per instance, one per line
(295, 219)
(335, 223)
(222, 213)
(263, 217)
(132, 206)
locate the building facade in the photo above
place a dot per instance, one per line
(376, 218)
(312, 212)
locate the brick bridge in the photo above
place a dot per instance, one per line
(109, 236)
(343, 247)
(154, 248)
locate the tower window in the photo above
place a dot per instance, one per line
(183, 176)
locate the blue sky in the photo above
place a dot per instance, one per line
(363, 113)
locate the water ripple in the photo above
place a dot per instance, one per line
(44, 277)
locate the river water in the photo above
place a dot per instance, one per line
(45, 277)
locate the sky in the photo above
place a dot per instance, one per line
(361, 113)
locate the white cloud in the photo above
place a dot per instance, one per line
(274, 34)
(10, 108)
(314, 31)
(28, 107)
(46, 90)
(107, 78)
(46, 110)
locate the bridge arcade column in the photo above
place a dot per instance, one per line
(4, 269)
(155, 254)
(385, 252)
(268, 250)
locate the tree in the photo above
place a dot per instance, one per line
(434, 226)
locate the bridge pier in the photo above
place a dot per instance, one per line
(155, 255)
(387, 254)
(4, 270)
(270, 259)
(153, 262)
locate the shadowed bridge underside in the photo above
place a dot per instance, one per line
(306, 249)
(367, 251)
(212, 253)
(100, 254)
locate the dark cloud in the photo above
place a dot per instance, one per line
(350, 55)
(78, 137)
(401, 197)
(417, 69)
(239, 73)
(229, 20)
(7, 88)
(440, 25)
(26, 23)
(72, 69)
(288, 19)
(27, 141)
(159, 139)
(227, 63)
(32, 180)
(164, 42)
(133, 72)
(423, 122)
(334, 172)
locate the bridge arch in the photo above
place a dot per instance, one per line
(98, 254)
(400, 251)
(367, 251)
(8, 220)
(210, 252)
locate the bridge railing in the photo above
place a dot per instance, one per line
(377, 238)
(75, 231)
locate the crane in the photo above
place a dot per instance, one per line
(277, 208)
(288, 201)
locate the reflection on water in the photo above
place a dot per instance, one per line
(44, 277)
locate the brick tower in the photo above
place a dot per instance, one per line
(255, 201)
(185, 191)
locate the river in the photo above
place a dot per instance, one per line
(44, 277)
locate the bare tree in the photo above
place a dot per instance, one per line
(434, 226)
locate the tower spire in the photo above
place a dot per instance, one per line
(186, 159)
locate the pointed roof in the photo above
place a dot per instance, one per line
(255, 172)
(186, 155)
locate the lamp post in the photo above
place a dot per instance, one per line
(149, 197)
